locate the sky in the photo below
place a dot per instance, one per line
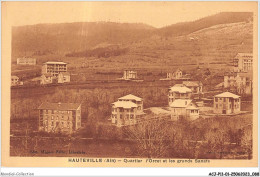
(156, 14)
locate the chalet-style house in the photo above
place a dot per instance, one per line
(26, 61)
(129, 74)
(63, 77)
(127, 110)
(227, 103)
(174, 75)
(184, 109)
(46, 79)
(238, 82)
(178, 91)
(243, 62)
(195, 86)
(14, 80)
(59, 117)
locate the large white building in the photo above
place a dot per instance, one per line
(26, 61)
(243, 62)
(54, 68)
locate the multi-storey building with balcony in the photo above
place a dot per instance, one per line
(137, 100)
(127, 110)
(226, 103)
(54, 68)
(178, 91)
(59, 117)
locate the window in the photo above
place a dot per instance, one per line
(51, 117)
(216, 105)
(131, 116)
(52, 123)
(192, 111)
(127, 116)
(224, 99)
(121, 116)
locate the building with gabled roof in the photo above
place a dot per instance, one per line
(227, 103)
(238, 82)
(127, 110)
(184, 109)
(46, 79)
(63, 77)
(59, 117)
(195, 86)
(175, 75)
(129, 74)
(14, 80)
(178, 91)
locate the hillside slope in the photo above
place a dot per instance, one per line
(61, 39)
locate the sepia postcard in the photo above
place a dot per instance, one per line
(129, 84)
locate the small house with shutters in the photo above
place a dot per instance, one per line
(59, 117)
(227, 103)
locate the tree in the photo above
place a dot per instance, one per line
(152, 137)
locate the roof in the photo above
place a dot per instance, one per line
(125, 104)
(14, 77)
(47, 74)
(227, 94)
(55, 62)
(192, 107)
(178, 70)
(191, 83)
(59, 106)
(65, 73)
(245, 55)
(179, 88)
(130, 97)
(180, 103)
